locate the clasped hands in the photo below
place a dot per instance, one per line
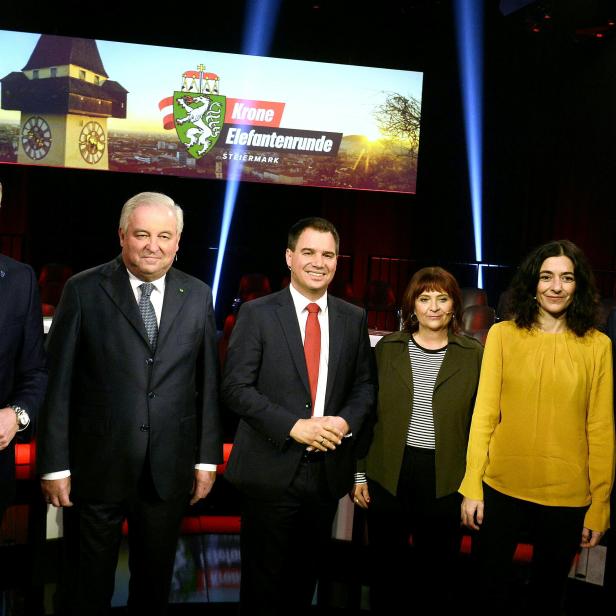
(320, 433)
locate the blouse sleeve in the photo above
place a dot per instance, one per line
(485, 415)
(600, 434)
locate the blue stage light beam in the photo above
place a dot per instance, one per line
(259, 26)
(469, 34)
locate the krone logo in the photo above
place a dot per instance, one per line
(198, 120)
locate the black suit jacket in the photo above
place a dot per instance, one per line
(23, 374)
(112, 402)
(266, 383)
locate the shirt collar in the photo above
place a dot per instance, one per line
(301, 301)
(159, 283)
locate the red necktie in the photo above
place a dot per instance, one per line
(312, 348)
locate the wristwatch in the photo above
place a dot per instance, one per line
(23, 419)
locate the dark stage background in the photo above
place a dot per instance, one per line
(550, 159)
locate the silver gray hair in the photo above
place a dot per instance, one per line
(151, 198)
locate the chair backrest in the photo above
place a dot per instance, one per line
(342, 288)
(253, 285)
(476, 318)
(379, 295)
(380, 304)
(502, 308)
(47, 309)
(473, 296)
(51, 281)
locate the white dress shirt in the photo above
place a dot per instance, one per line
(300, 302)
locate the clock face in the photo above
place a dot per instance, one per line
(36, 137)
(92, 141)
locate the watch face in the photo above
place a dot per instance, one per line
(92, 142)
(36, 137)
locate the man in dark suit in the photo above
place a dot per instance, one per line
(130, 426)
(299, 375)
(23, 374)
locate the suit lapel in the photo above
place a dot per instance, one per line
(337, 327)
(117, 286)
(4, 291)
(290, 328)
(176, 292)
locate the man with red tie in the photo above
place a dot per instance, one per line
(299, 375)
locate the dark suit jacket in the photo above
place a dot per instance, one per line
(23, 374)
(266, 383)
(112, 400)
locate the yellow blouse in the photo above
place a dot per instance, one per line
(543, 424)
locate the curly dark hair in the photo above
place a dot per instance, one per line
(431, 279)
(581, 316)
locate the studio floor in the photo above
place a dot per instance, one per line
(349, 597)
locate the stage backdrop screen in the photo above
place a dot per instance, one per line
(73, 102)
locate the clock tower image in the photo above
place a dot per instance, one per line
(65, 97)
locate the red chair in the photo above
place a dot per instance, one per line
(47, 310)
(473, 296)
(25, 460)
(380, 304)
(51, 281)
(478, 318)
(251, 286)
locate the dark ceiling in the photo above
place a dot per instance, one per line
(397, 34)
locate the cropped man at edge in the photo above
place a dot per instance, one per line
(23, 374)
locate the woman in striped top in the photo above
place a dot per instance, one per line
(415, 449)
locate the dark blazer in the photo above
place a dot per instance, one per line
(23, 373)
(452, 403)
(112, 400)
(266, 384)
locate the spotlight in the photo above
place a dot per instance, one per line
(469, 34)
(259, 25)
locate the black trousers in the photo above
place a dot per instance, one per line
(92, 539)
(555, 533)
(423, 576)
(285, 544)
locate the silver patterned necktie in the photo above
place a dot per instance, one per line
(147, 313)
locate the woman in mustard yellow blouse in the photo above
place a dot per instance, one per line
(541, 447)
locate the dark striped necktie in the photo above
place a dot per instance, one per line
(147, 313)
